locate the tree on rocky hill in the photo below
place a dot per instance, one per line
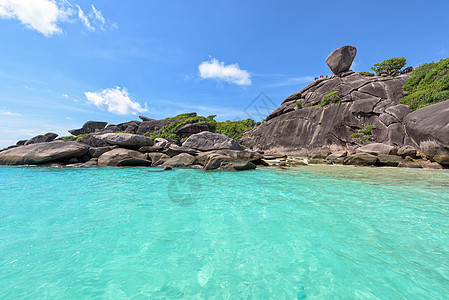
(390, 67)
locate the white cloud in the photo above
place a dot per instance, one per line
(116, 101)
(45, 16)
(11, 114)
(217, 70)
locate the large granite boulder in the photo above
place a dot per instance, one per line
(38, 139)
(40, 153)
(301, 124)
(125, 139)
(428, 127)
(123, 157)
(189, 129)
(222, 162)
(92, 140)
(182, 160)
(153, 125)
(238, 154)
(157, 159)
(340, 60)
(207, 141)
(89, 127)
(377, 149)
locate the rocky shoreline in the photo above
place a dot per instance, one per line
(350, 119)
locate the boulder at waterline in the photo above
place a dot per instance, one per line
(360, 159)
(239, 154)
(207, 141)
(96, 152)
(377, 149)
(123, 157)
(221, 162)
(157, 159)
(182, 160)
(428, 127)
(125, 139)
(340, 60)
(56, 151)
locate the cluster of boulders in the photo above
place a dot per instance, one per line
(360, 110)
(104, 147)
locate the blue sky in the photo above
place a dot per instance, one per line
(64, 62)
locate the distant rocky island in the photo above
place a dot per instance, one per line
(397, 118)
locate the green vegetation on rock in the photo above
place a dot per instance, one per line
(80, 136)
(332, 97)
(428, 84)
(363, 134)
(366, 73)
(390, 66)
(298, 104)
(233, 129)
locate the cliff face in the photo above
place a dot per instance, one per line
(365, 110)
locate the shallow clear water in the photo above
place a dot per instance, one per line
(316, 233)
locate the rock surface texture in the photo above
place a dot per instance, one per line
(207, 141)
(428, 128)
(300, 125)
(340, 60)
(125, 139)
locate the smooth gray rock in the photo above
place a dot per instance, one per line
(361, 159)
(38, 139)
(398, 111)
(96, 152)
(189, 129)
(92, 140)
(89, 127)
(377, 149)
(428, 127)
(407, 151)
(157, 159)
(40, 153)
(153, 125)
(340, 60)
(182, 160)
(122, 157)
(125, 139)
(222, 162)
(207, 141)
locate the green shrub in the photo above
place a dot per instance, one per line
(69, 137)
(80, 136)
(298, 104)
(308, 105)
(233, 129)
(332, 97)
(363, 134)
(366, 73)
(428, 84)
(390, 66)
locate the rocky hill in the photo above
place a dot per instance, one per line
(350, 110)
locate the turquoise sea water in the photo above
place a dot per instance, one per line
(323, 232)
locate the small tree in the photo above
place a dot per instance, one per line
(390, 67)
